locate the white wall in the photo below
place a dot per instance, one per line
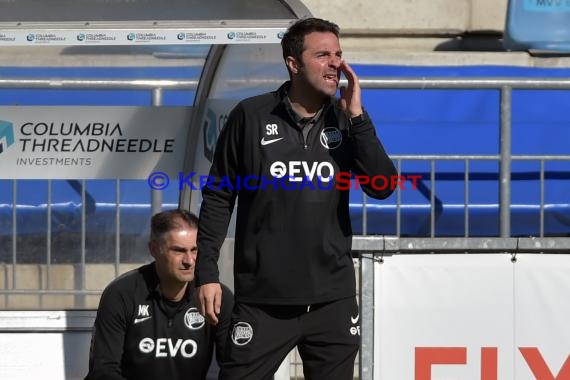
(412, 16)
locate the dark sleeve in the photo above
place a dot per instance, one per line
(107, 341)
(370, 158)
(224, 323)
(218, 200)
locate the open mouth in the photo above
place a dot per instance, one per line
(331, 78)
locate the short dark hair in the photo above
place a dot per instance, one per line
(166, 221)
(292, 43)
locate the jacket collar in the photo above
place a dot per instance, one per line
(283, 93)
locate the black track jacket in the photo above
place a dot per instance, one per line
(293, 233)
(136, 337)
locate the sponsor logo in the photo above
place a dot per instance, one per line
(6, 37)
(331, 138)
(44, 37)
(354, 320)
(242, 333)
(143, 314)
(267, 142)
(355, 330)
(146, 345)
(90, 137)
(271, 130)
(96, 37)
(131, 36)
(245, 35)
(139, 320)
(487, 359)
(167, 347)
(6, 135)
(298, 171)
(193, 319)
(280, 35)
(196, 36)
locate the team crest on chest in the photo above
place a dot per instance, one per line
(331, 138)
(193, 319)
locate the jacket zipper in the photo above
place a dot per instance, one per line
(304, 136)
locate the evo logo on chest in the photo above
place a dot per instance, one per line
(168, 347)
(298, 171)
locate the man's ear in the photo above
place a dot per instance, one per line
(292, 64)
(153, 248)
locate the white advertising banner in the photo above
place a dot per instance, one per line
(542, 316)
(471, 317)
(155, 36)
(91, 142)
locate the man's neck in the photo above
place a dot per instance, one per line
(305, 103)
(173, 292)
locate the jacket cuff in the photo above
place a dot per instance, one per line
(361, 124)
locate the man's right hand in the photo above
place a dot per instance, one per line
(209, 299)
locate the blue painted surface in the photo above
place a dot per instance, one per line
(407, 121)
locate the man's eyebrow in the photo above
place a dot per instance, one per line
(177, 248)
(180, 248)
(328, 51)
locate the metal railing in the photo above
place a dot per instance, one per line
(504, 156)
(505, 86)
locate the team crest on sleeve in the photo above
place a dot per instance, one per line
(193, 319)
(331, 138)
(242, 333)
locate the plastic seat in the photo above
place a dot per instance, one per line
(539, 25)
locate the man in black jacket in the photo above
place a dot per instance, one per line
(284, 154)
(148, 325)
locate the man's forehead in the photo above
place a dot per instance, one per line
(317, 41)
(180, 233)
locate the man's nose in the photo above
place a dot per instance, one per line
(335, 61)
(189, 258)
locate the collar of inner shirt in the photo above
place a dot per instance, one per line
(302, 122)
